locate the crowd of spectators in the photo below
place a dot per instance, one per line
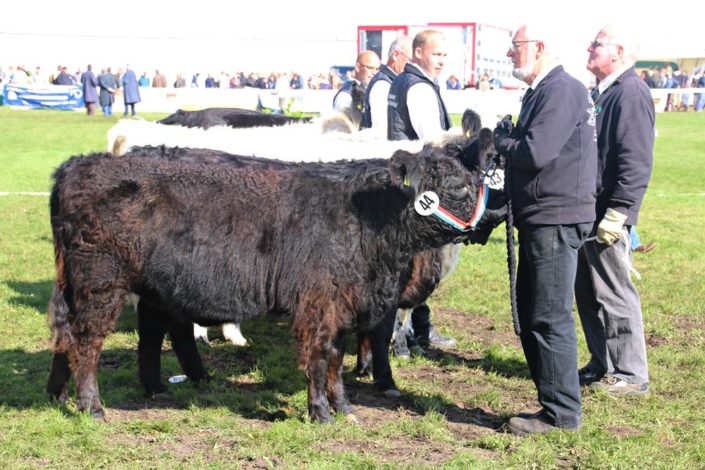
(654, 77)
(666, 77)
(273, 80)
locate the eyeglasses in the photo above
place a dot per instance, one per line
(595, 44)
(401, 54)
(370, 67)
(517, 44)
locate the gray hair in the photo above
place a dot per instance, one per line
(399, 44)
(625, 36)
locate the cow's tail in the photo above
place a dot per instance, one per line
(58, 308)
(61, 336)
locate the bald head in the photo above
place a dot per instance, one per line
(366, 66)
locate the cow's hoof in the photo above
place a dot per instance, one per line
(322, 418)
(391, 393)
(363, 371)
(98, 414)
(352, 419)
(158, 389)
(61, 398)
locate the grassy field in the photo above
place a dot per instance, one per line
(454, 404)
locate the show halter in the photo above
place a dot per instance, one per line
(427, 203)
(443, 214)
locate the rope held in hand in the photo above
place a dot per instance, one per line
(511, 256)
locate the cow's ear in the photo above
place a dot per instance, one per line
(471, 123)
(405, 171)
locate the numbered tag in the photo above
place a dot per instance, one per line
(426, 203)
(495, 180)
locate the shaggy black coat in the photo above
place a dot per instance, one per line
(213, 244)
(373, 344)
(232, 117)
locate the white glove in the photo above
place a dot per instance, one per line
(610, 228)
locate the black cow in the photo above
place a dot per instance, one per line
(426, 267)
(213, 244)
(232, 117)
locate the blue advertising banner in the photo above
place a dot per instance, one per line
(43, 96)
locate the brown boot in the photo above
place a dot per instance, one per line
(645, 248)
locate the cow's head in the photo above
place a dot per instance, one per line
(175, 118)
(444, 191)
(480, 153)
(477, 157)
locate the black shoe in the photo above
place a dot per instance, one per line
(586, 376)
(524, 424)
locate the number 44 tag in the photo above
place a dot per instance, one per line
(426, 203)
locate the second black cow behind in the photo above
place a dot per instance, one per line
(212, 244)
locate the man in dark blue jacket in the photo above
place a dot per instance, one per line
(90, 91)
(416, 111)
(375, 109)
(366, 65)
(130, 90)
(552, 172)
(608, 303)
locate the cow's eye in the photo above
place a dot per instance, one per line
(464, 191)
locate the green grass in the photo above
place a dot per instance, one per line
(253, 413)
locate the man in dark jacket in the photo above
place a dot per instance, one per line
(366, 66)
(608, 303)
(108, 87)
(64, 78)
(90, 92)
(416, 111)
(415, 108)
(375, 109)
(130, 90)
(552, 159)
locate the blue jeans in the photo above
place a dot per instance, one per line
(634, 238)
(548, 259)
(699, 102)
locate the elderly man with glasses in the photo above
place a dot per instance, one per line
(375, 112)
(552, 168)
(351, 94)
(608, 302)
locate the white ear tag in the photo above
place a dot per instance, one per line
(496, 180)
(426, 203)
